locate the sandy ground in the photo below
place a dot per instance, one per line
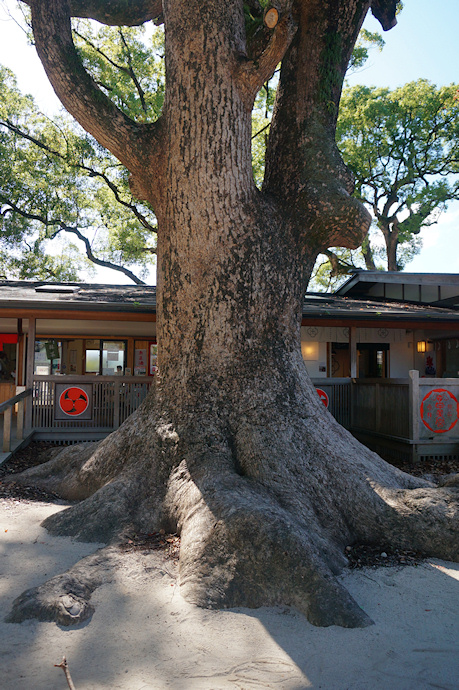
(144, 636)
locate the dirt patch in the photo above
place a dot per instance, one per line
(36, 453)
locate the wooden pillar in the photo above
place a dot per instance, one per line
(414, 411)
(30, 360)
(353, 351)
(20, 355)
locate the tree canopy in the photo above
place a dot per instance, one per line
(129, 68)
(56, 180)
(403, 148)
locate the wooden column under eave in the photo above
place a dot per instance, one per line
(30, 360)
(20, 378)
(353, 351)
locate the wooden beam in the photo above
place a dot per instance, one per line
(381, 323)
(77, 314)
(353, 351)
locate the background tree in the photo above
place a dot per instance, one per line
(403, 148)
(56, 180)
(233, 448)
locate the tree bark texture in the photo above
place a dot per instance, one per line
(233, 449)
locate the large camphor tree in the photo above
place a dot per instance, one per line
(233, 449)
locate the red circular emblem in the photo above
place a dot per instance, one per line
(323, 396)
(439, 410)
(74, 401)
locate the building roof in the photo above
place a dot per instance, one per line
(324, 305)
(77, 296)
(142, 299)
(439, 289)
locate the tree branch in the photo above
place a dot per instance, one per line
(89, 170)
(116, 12)
(65, 667)
(127, 70)
(78, 91)
(254, 73)
(93, 258)
(63, 227)
(385, 11)
(303, 166)
(338, 266)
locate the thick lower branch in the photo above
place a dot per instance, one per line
(128, 141)
(116, 12)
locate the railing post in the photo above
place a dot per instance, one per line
(353, 351)
(352, 384)
(7, 417)
(378, 408)
(116, 405)
(30, 369)
(20, 421)
(414, 410)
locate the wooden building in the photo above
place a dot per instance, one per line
(368, 336)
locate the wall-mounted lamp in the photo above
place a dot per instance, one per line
(310, 351)
(424, 346)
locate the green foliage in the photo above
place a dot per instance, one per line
(261, 119)
(403, 148)
(365, 42)
(54, 179)
(126, 66)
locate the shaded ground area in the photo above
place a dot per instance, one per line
(432, 469)
(34, 454)
(358, 555)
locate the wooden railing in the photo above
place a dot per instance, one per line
(339, 393)
(386, 409)
(6, 408)
(112, 400)
(381, 406)
(411, 418)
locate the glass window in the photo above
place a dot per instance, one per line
(8, 362)
(92, 361)
(48, 355)
(113, 357)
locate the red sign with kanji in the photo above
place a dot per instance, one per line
(323, 396)
(439, 410)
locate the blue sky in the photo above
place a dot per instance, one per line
(424, 44)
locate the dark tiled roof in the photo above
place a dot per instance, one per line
(142, 298)
(334, 306)
(78, 296)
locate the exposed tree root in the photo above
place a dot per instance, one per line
(264, 513)
(65, 598)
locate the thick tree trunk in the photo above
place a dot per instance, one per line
(233, 449)
(390, 233)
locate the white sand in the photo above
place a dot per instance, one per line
(144, 636)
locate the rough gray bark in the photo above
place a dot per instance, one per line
(233, 450)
